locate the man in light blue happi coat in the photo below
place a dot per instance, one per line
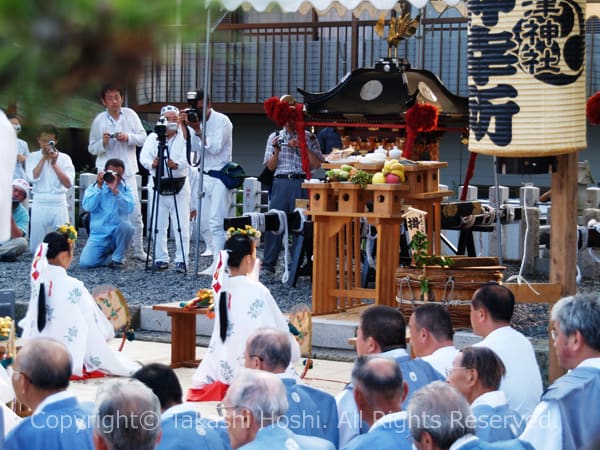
(311, 411)
(254, 409)
(41, 374)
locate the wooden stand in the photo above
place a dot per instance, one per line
(183, 333)
(420, 191)
(337, 265)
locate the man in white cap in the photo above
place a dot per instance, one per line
(173, 187)
(115, 133)
(19, 223)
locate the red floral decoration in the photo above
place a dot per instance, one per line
(279, 111)
(592, 109)
(421, 117)
(270, 104)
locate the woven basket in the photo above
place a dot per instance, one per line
(452, 287)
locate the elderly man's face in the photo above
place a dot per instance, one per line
(563, 347)
(458, 376)
(238, 420)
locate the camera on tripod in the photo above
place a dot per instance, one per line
(160, 128)
(109, 176)
(192, 112)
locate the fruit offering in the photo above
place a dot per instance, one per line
(5, 325)
(378, 178)
(341, 174)
(203, 299)
(393, 172)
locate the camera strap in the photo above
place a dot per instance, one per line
(188, 149)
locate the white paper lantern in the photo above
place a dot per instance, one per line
(526, 77)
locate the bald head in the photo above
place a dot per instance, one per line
(377, 376)
(268, 349)
(46, 363)
(379, 388)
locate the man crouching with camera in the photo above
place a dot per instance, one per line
(110, 202)
(19, 223)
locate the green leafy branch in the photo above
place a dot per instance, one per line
(419, 246)
(420, 253)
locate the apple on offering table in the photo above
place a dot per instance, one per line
(390, 178)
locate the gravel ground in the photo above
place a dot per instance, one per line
(142, 286)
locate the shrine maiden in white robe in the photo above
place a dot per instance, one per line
(73, 318)
(250, 306)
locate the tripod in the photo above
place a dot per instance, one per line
(163, 186)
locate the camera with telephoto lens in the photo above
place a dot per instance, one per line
(192, 112)
(109, 176)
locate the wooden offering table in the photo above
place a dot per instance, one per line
(183, 333)
(336, 209)
(422, 179)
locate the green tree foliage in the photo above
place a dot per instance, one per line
(51, 49)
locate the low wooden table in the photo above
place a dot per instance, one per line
(183, 333)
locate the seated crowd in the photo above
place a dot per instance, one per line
(393, 401)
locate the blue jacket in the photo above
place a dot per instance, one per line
(478, 444)
(575, 394)
(392, 432)
(62, 425)
(497, 423)
(107, 210)
(416, 372)
(311, 412)
(187, 430)
(278, 437)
